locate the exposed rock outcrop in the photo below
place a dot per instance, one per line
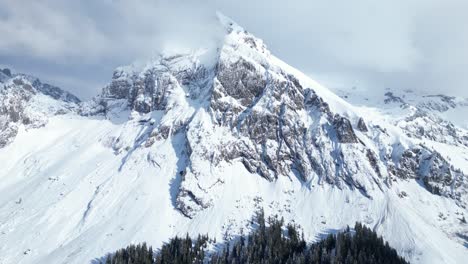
(344, 130)
(6, 72)
(391, 98)
(361, 125)
(433, 171)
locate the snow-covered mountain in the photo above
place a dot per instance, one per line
(28, 103)
(197, 142)
(435, 117)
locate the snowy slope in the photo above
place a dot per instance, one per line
(197, 142)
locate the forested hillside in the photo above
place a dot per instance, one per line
(272, 241)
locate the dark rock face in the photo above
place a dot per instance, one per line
(141, 92)
(249, 86)
(441, 178)
(433, 171)
(13, 100)
(408, 166)
(241, 81)
(55, 92)
(8, 132)
(313, 101)
(391, 98)
(362, 125)
(374, 162)
(7, 72)
(344, 130)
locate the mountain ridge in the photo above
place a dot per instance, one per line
(26, 101)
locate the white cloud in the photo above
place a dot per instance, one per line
(37, 28)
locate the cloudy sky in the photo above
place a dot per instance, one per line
(407, 44)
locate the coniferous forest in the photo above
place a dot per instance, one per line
(271, 242)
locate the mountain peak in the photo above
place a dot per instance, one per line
(269, 110)
(227, 22)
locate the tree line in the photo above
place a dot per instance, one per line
(272, 242)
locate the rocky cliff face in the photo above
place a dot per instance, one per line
(433, 172)
(247, 106)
